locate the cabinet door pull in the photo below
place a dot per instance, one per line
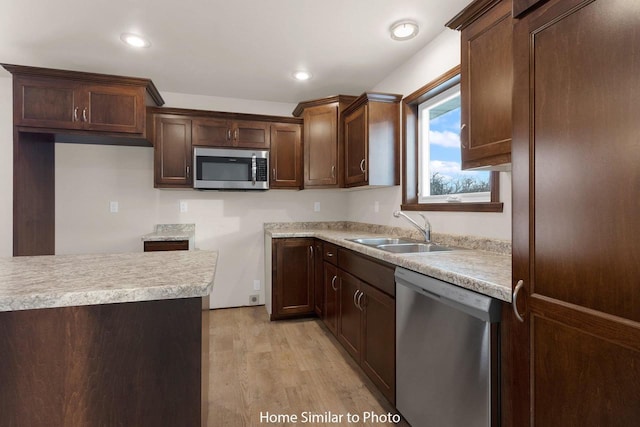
(360, 298)
(464, 125)
(228, 134)
(362, 165)
(235, 134)
(75, 114)
(311, 250)
(188, 171)
(355, 297)
(514, 303)
(273, 173)
(333, 283)
(333, 171)
(84, 114)
(329, 254)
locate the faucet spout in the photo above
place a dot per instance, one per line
(425, 230)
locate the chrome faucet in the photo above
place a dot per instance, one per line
(426, 229)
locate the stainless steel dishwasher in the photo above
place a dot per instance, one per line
(447, 350)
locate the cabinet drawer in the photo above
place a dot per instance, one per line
(366, 269)
(330, 253)
(166, 245)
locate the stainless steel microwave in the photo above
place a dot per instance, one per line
(230, 169)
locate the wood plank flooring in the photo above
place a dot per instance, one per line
(290, 367)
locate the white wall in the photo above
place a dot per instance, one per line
(439, 56)
(6, 167)
(88, 177)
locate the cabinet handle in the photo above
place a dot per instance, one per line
(75, 114)
(355, 296)
(228, 134)
(84, 114)
(235, 134)
(329, 254)
(311, 247)
(333, 171)
(514, 303)
(188, 171)
(273, 173)
(362, 165)
(359, 298)
(333, 283)
(464, 125)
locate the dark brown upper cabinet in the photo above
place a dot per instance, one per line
(486, 83)
(57, 101)
(372, 140)
(285, 157)
(172, 152)
(323, 142)
(213, 132)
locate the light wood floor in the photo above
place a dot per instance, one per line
(285, 367)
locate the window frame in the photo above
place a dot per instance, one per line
(410, 150)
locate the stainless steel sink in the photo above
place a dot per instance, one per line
(399, 245)
(376, 241)
(404, 248)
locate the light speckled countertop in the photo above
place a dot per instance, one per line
(73, 280)
(172, 232)
(486, 272)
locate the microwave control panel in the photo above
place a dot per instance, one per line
(261, 170)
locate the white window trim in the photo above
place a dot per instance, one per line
(424, 159)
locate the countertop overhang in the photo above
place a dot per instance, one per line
(50, 281)
(485, 272)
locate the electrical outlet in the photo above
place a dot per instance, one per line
(254, 299)
(256, 285)
(184, 207)
(316, 207)
(113, 207)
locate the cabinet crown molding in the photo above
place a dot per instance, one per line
(390, 98)
(470, 13)
(297, 112)
(189, 113)
(22, 70)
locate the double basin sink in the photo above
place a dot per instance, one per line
(400, 245)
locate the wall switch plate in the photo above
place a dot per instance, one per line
(376, 206)
(316, 207)
(256, 285)
(254, 299)
(113, 207)
(184, 207)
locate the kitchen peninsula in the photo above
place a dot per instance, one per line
(105, 339)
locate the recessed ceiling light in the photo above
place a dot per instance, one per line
(404, 30)
(135, 40)
(302, 75)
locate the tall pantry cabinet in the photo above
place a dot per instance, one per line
(575, 356)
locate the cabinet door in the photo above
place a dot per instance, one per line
(576, 355)
(318, 282)
(250, 134)
(113, 108)
(379, 339)
(350, 316)
(331, 293)
(321, 146)
(486, 81)
(47, 103)
(355, 147)
(293, 281)
(285, 156)
(212, 132)
(172, 152)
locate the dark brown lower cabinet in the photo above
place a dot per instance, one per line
(166, 245)
(293, 277)
(366, 329)
(331, 293)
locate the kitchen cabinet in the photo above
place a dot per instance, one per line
(366, 320)
(166, 245)
(293, 277)
(285, 157)
(574, 357)
(486, 84)
(172, 152)
(213, 132)
(372, 140)
(331, 294)
(71, 101)
(323, 141)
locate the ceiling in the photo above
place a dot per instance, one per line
(234, 48)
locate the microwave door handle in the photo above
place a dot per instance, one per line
(253, 169)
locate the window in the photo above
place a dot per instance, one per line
(432, 179)
(440, 179)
